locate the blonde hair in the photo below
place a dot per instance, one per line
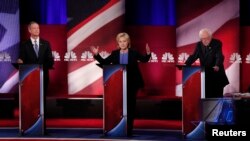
(123, 34)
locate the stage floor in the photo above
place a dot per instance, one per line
(70, 134)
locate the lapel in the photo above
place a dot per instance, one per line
(31, 48)
(129, 56)
(40, 52)
(207, 52)
(41, 48)
(116, 57)
(203, 56)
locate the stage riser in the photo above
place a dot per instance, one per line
(93, 108)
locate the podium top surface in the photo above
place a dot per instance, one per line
(180, 66)
(17, 65)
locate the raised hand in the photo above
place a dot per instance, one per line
(147, 49)
(95, 50)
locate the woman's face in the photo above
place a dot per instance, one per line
(123, 43)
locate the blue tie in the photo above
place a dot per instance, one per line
(36, 48)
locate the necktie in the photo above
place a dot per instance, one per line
(205, 49)
(36, 48)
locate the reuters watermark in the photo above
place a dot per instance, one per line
(228, 133)
(236, 131)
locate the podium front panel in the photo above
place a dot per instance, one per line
(115, 105)
(31, 100)
(193, 90)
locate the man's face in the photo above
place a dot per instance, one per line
(205, 38)
(34, 30)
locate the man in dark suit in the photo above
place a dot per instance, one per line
(209, 51)
(125, 55)
(43, 55)
(37, 51)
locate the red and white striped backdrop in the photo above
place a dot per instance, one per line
(222, 17)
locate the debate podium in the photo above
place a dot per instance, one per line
(31, 100)
(115, 100)
(193, 88)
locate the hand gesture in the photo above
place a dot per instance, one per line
(95, 50)
(147, 49)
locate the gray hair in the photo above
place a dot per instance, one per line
(32, 22)
(205, 30)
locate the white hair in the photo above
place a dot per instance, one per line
(205, 30)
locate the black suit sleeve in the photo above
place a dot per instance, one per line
(219, 56)
(106, 61)
(143, 58)
(193, 57)
(49, 59)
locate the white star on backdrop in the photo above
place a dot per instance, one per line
(12, 36)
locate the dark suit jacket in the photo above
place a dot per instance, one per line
(212, 57)
(28, 55)
(134, 76)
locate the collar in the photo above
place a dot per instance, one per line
(33, 40)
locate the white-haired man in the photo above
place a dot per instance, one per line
(209, 51)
